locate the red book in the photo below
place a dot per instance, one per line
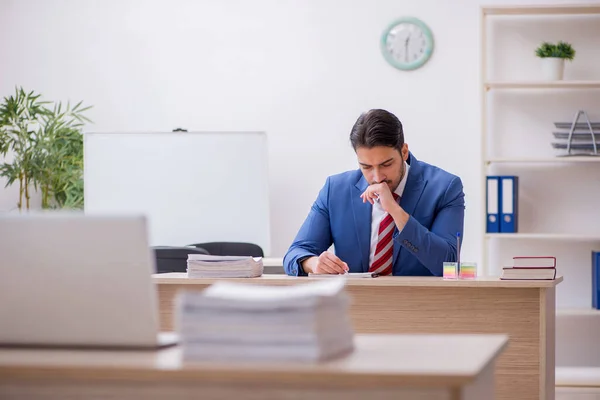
(534, 262)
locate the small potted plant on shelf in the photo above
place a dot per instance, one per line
(553, 58)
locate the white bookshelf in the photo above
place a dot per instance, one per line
(545, 236)
(542, 9)
(542, 160)
(569, 84)
(558, 214)
(583, 312)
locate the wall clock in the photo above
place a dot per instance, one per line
(407, 43)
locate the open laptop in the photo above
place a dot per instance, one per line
(76, 280)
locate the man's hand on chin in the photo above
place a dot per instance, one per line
(381, 193)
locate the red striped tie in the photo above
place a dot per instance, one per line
(382, 261)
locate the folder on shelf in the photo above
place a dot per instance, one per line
(509, 204)
(492, 204)
(596, 279)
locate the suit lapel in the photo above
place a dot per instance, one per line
(362, 221)
(415, 184)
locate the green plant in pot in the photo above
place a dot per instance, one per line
(553, 58)
(45, 144)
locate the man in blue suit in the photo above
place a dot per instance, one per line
(395, 215)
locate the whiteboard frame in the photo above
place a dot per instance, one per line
(263, 235)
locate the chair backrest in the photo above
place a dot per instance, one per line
(174, 259)
(231, 249)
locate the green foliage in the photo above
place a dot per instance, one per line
(47, 148)
(559, 50)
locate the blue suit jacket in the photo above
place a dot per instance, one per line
(432, 197)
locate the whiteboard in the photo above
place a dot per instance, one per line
(192, 186)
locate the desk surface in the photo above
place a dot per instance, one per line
(378, 360)
(180, 278)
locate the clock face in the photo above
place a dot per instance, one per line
(407, 44)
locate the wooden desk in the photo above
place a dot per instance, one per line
(437, 367)
(525, 310)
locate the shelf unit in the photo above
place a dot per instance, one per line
(544, 236)
(542, 9)
(583, 312)
(529, 84)
(540, 160)
(542, 85)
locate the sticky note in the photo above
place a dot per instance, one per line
(450, 270)
(468, 270)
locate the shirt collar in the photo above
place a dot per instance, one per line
(400, 189)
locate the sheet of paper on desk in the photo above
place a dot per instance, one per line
(346, 275)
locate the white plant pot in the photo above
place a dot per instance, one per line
(553, 68)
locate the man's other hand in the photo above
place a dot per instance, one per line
(326, 263)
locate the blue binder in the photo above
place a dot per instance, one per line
(509, 204)
(596, 280)
(492, 204)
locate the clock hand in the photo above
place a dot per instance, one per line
(406, 48)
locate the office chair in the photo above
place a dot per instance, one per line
(174, 259)
(231, 249)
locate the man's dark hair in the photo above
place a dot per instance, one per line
(377, 128)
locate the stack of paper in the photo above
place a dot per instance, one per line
(207, 266)
(235, 321)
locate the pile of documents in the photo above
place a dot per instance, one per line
(208, 266)
(231, 321)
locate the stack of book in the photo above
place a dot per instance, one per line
(208, 266)
(531, 268)
(231, 321)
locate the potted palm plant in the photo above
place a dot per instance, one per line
(45, 143)
(553, 56)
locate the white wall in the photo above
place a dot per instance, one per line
(300, 70)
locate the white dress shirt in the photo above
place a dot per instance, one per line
(378, 214)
